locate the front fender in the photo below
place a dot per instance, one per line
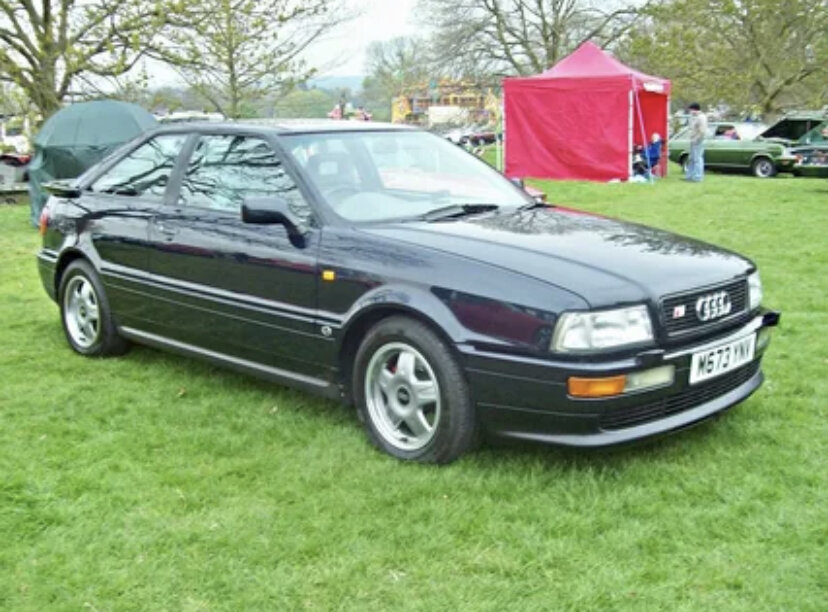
(462, 318)
(404, 298)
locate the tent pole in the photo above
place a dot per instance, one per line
(666, 139)
(499, 141)
(501, 147)
(630, 137)
(643, 133)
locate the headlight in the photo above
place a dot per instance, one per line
(754, 291)
(593, 331)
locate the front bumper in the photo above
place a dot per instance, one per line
(525, 398)
(785, 163)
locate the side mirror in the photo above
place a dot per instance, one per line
(272, 211)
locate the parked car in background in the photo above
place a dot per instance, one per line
(734, 146)
(458, 135)
(473, 135)
(483, 135)
(14, 136)
(388, 268)
(812, 153)
(763, 151)
(13, 169)
(188, 117)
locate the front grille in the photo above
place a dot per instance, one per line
(681, 401)
(689, 321)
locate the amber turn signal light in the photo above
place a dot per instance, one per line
(596, 387)
(44, 222)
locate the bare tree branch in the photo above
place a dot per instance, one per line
(520, 36)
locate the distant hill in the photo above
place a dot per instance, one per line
(352, 82)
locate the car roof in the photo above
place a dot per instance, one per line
(736, 124)
(285, 126)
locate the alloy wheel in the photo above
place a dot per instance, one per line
(81, 311)
(402, 396)
(763, 168)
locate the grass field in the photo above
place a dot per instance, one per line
(159, 483)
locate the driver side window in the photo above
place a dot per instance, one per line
(225, 169)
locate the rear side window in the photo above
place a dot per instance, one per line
(224, 170)
(144, 172)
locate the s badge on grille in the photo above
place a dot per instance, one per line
(679, 311)
(713, 306)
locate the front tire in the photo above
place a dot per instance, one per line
(85, 314)
(685, 163)
(411, 393)
(762, 167)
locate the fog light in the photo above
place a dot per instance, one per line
(648, 379)
(763, 338)
(596, 387)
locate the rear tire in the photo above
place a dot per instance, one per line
(684, 160)
(85, 314)
(411, 393)
(762, 167)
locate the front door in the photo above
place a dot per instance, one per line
(242, 290)
(128, 194)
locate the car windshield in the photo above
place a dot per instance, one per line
(380, 175)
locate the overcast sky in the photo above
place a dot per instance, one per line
(343, 51)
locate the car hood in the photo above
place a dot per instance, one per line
(603, 260)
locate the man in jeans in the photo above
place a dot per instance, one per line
(698, 130)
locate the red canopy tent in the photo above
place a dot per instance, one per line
(581, 118)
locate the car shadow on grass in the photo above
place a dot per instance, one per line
(197, 373)
(493, 453)
(663, 448)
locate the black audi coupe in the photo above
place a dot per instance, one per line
(384, 266)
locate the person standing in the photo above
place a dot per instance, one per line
(698, 130)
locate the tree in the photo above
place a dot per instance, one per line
(48, 46)
(12, 100)
(747, 53)
(236, 52)
(397, 66)
(522, 37)
(305, 103)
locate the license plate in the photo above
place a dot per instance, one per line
(724, 358)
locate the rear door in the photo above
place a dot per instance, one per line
(242, 290)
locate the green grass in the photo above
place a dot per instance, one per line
(156, 482)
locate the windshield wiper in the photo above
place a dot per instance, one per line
(534, 204)
(457, 210)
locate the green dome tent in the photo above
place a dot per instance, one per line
(79, 136)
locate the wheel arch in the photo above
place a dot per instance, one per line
(63, 262)
(762, 155)
(359, 325)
